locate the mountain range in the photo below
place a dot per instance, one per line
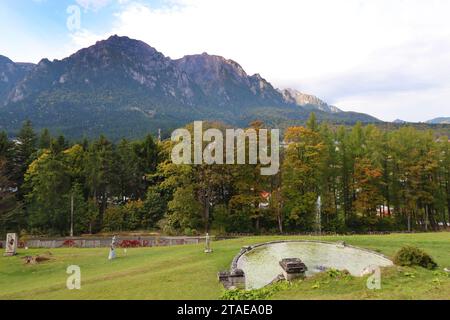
(441, 120)
(125, 88)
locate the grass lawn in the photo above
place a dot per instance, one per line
(185, 272)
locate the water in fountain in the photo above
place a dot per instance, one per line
(261, 265)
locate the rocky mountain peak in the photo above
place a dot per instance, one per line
(226, 81)
(4, 60)
(11, 73)
(216, 66)
(303, 99)
(117, 51)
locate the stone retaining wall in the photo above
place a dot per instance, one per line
(106, 242)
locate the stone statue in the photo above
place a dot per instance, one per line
(11, 244)
(112, 249)
(208, 244)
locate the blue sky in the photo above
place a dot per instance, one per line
(389, 58)
(34, 29)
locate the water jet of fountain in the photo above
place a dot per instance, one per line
(319, 215)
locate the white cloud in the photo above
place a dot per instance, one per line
(373, 56)
(93, 4)
(83, 38)
(417, 106)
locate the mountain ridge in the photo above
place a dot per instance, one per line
(439, 120)
(125, 87)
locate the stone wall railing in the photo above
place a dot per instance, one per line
(150, 241)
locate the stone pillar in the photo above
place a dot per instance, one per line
(237, 279)
(293, 268)
(232, 280)
(11, 244)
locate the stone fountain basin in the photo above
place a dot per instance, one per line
(260, 263)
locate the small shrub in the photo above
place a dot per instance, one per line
(411, 256)
(130, 244)
(256, 294)
(337, 274)
(190, 232)
(69, 243)
(24, 236)
(316, 285)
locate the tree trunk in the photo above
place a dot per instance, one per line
(280, 223)
(206, 214)
(409, 222)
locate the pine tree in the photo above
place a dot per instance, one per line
(22, 155)
(45, 139)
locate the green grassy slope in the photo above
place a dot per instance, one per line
(185, 272)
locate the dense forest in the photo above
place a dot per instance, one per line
(368, 179)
